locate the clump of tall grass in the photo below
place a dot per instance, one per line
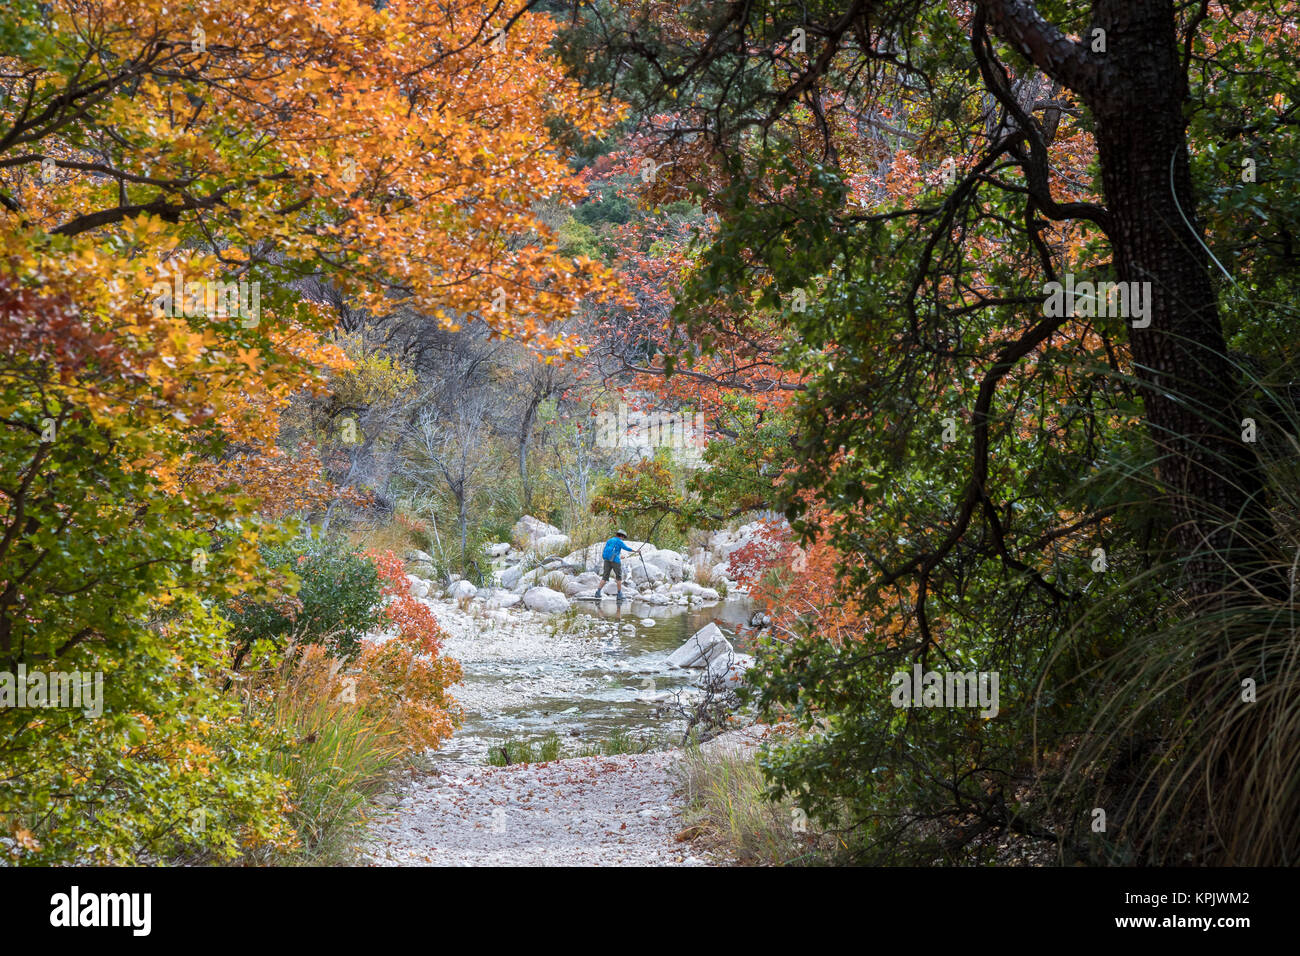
(703, 574)
(621, 741)
(542, 750)
(728, 812)
(1193, 750)
(334, 755)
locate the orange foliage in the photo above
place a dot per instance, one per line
(405, 678)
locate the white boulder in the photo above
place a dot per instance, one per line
(529, 529)
(588, 557)
(545, 600)
(634, 570)
(461, 589)
(510, 577)
(706, 644)
(585, 582)
(672, 563)
(551, 543)
(728, 670)
(498, 550)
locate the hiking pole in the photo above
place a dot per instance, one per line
(653, 528)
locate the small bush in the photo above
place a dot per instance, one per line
(333, 604)
(525, 751)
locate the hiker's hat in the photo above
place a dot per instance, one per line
(620, 533)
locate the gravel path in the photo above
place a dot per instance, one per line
(585, 811)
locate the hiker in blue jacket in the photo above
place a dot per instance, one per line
(613, 556)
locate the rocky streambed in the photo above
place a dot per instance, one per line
(539, 663)
(596, 672)
(540, 660)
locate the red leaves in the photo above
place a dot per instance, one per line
(51, 330)
(413, 620)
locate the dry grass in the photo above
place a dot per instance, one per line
(728, 814)
(335, 756)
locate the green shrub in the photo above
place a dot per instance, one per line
(335, 604)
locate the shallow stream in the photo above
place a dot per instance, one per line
(587, 676)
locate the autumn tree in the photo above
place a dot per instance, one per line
(899, 187)
(170, 178)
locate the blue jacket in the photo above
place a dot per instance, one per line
(614, 549)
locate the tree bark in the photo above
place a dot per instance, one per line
(525, 433)
(1189, 387)
(1136, 90)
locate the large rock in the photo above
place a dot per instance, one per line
(706, 644)
(419, 557)
(529, 529)
(498, 550)
(588, 557)
(503, 599)
(545, 600)
(634, 570)
(529, 580)
(572, 588)
(583, 583)
(461, 589)
(419, 586)
(629, 586)
(672, 563)
(551, 543)
(510, 577)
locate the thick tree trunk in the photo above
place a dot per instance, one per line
(1213, 488)
(1190, 389)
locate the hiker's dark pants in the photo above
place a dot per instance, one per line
(615, 567)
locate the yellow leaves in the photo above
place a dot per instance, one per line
(450, 143)
(24, 840)
(249, 357)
